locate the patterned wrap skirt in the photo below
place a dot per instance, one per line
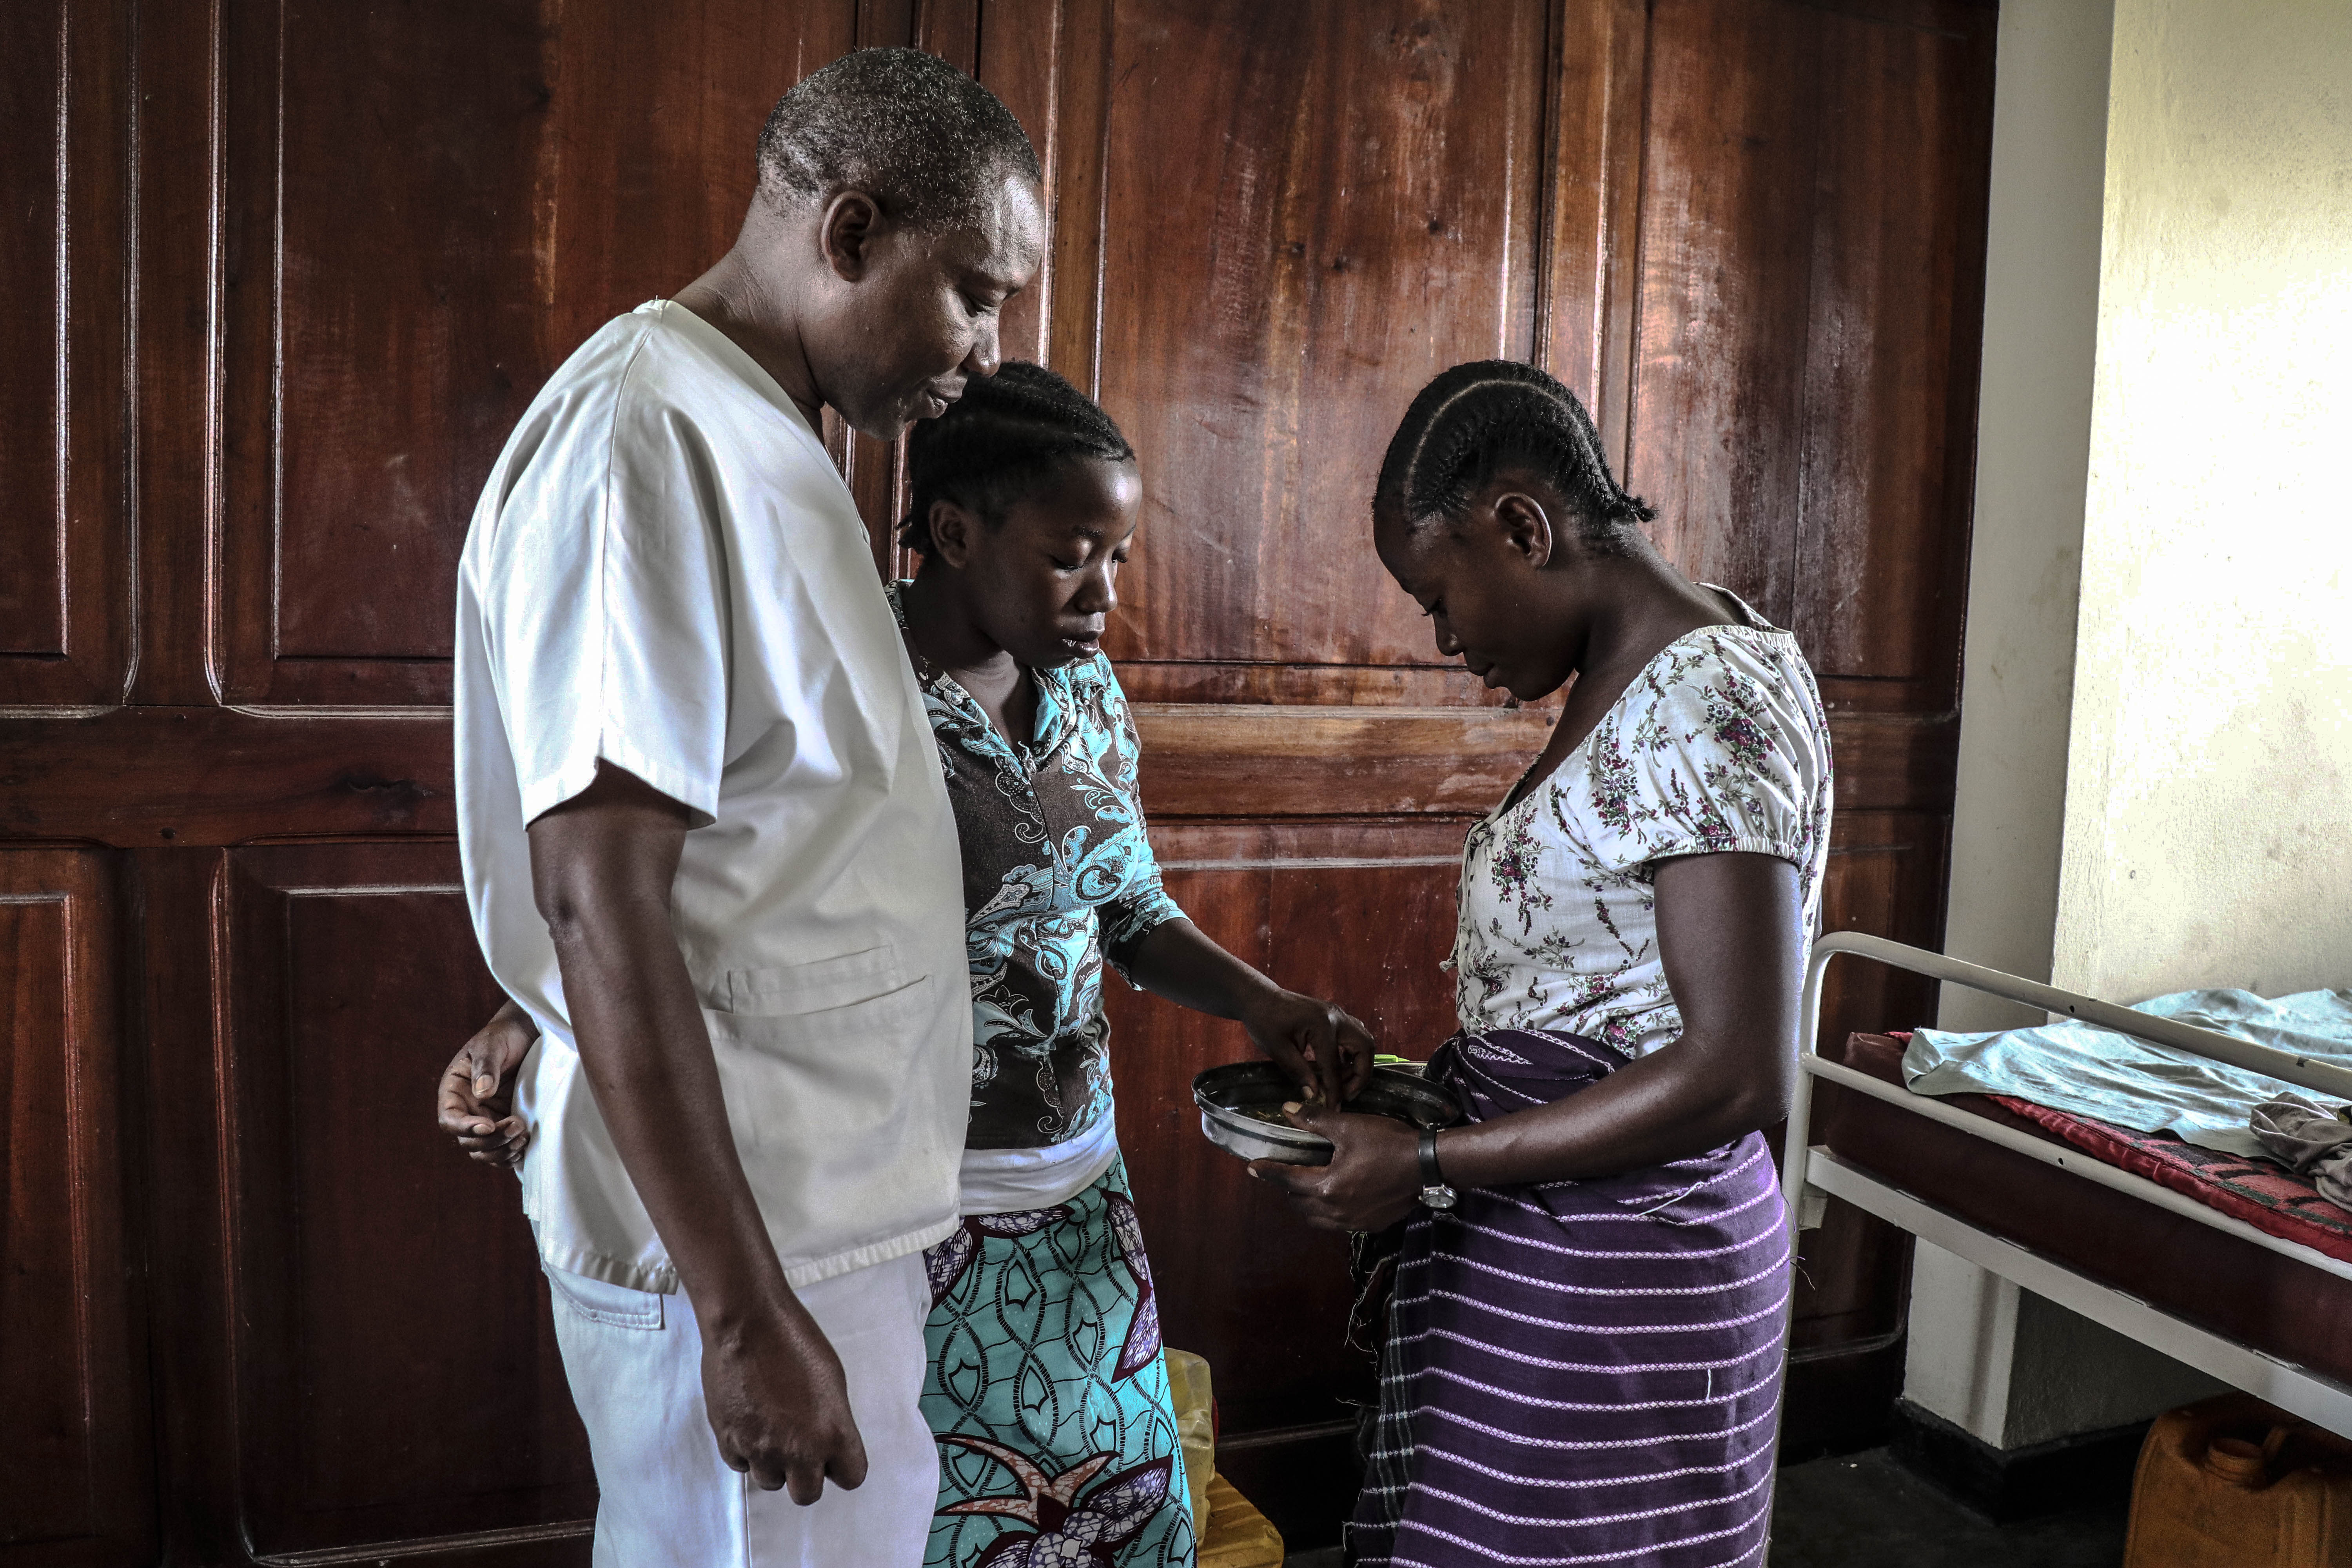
(1048, 1394)
(1581, 1371)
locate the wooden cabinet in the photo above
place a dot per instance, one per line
(285, 274)
(395, 1365)
(78, 1486)
(66, 611)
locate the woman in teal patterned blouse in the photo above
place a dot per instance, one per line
(1046, 1387)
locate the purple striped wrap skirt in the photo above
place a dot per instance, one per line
(1581, 1371)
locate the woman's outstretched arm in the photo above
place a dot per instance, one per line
(1731, 937)
(1178, 961)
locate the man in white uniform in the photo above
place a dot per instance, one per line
(708, 846)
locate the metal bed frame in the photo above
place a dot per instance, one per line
(1810, 1172)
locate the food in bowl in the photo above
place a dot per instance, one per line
(1242, 1110)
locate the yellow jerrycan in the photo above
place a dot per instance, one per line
(2231, 1482)
(1233, 1533)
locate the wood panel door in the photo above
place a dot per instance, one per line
(65, 634)
(288, 273)
(1354, 197)
(73, 1444)
(1749, 232)
(391, 1381)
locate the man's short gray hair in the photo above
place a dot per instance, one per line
(927, 142)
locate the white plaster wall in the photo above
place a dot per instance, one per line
(2154, 794)
(1963, 1329)
(2013, 1369)
(2033, 437)
(2209, 800)
(2067, 1375)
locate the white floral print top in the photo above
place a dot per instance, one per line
(1719, 744)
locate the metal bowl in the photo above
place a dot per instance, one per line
(1226, 1096)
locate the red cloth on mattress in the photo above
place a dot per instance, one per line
(2269, 1197)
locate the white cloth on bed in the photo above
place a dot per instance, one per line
(2085, 1070)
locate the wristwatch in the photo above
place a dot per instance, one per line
(1434, 1193)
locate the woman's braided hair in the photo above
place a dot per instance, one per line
(1475, 420)
(1001, 440)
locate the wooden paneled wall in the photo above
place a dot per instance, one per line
(283, 274)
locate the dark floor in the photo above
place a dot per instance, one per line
(1867, 1511)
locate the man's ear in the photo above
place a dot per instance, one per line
(1527, 527)
(953, 531)
(851, 222)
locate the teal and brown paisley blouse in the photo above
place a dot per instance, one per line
(1057, 876)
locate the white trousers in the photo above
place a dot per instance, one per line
(635, 1363)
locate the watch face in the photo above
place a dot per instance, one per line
(1437, 1197)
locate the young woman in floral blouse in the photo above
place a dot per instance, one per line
(1046, 1387)
(1586, 1336)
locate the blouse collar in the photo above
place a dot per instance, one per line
(1054, 698)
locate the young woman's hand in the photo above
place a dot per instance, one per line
(1315, 1042)
(477, 1089)
(1373, 1181)
(1312, 1041)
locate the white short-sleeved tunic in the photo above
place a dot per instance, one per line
(667, 573)
(1719, 744)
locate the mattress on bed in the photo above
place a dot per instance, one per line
(2267, 1196)
(2231, 1286)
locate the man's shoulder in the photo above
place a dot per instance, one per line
(602, 363)
(562, 436)
(686, 380)
(558, 454)
(655, 386)
(656, 364)
(651, 425)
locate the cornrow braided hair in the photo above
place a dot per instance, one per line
(1002, 438)
(1475, 420)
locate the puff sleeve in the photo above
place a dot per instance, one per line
(1716, 751)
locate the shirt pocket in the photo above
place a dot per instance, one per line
(828, 984)
(881, 1018)
(615, 1305)
(832, 1087)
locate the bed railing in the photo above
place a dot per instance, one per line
(2330, 1079)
